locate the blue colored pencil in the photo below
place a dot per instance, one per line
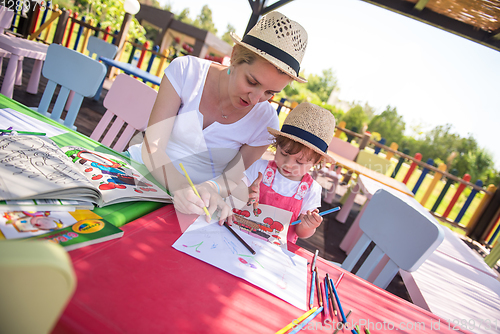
(321, 214)
(327, 305)
(344, 320)
(307, 320)
(313, 282)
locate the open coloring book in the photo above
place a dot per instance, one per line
(34, 167)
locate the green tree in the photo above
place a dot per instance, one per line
(355, 118)
(389, 124)
(322, 85)
(204, 20)
(227, 37)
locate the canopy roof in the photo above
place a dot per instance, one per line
(477, 20)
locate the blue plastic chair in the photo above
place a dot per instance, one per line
(100, 48)
(73, 71)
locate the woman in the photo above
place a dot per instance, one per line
(214, 118)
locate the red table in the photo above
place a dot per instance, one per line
(140, 284)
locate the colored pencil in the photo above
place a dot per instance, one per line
(330, 294)
(367, 331)
(318, 288)
(295, 322)
(250, 249)
(194, 188)
(2, 133)
(338, 280)
(24, 132)
(307, 320)
(324, 295)
(344, 320)
(311, 296)
(321, 214)
(313, 266)
(337, 329)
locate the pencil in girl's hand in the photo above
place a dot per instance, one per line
(321, 214)
(194, 188)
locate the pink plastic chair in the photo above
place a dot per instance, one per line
(131, 101)
(342, 148)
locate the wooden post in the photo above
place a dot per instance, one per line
(487, 218)
(430, 162)
(413, 165)
(377, 149)
(389, 154)
(430, 188)
(364, 141)
(61, 27)
(122, 34)
(338, 132)
(467, 203)
(400, 163)
(444, 191)
(459, 190)
(480, 208)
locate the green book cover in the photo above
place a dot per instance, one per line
(83, 233)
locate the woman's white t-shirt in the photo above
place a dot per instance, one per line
(205, 153)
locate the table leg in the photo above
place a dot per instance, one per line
(354, 232)
(346, 208)
(19, 72)
(10, 76)
(35, 77)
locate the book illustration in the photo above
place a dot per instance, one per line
(268, 223)
(108, 173)
(45, 205)
(83, 233)
(24, 224)
(272, 268)
(34, 167)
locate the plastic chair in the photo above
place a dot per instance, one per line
(36, 282)
(333, 173)
(73, 71)
(6, 16)
(131, 101)
(100, 48)
(402, 231)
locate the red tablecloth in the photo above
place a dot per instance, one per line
(140, 284)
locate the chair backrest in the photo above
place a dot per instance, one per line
(101, 48)
(131, 101)
(401, 229)
(373, 161)
(6, 16)
(343, 148)
(73, 71)
(36, 282)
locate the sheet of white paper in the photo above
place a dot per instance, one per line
(21, 122)
(273, 268)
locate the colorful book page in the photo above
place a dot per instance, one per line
(273, 268)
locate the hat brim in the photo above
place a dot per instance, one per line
(279, 64)
(276, 133)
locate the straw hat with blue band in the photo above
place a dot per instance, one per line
(310, 125)
(279, 40)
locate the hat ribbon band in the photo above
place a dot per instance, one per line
(273, 51)
(305, 135)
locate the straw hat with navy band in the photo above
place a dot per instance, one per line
(279, 40)
(310, 125)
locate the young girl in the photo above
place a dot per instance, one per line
(285, 182)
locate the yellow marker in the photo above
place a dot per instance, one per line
(194, 188)
(295, 322)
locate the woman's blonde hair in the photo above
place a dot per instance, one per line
(242, 55)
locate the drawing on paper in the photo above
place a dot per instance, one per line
(272, 268)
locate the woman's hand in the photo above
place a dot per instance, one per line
(186, 201)
(254, 193)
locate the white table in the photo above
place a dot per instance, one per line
(19, 48)
(456, 284)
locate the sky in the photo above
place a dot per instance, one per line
(379, 57)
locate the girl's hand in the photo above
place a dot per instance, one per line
(254, 193)
(310, 221)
